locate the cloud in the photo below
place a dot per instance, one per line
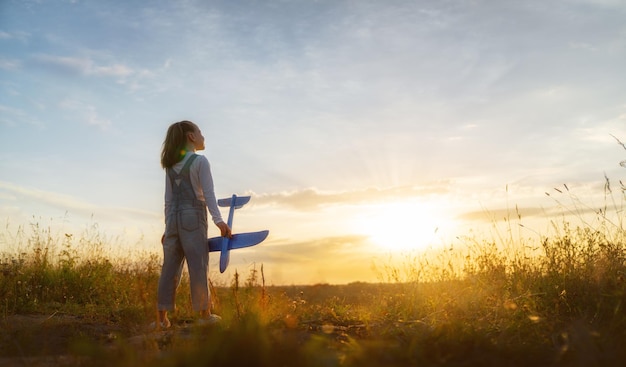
(113, 70)
(334, 259)
(311, 198)
(9, 65)
(10, 116)
(81, 66)
(50, 198)
(503, 213)
(18, 35)
(87, 112)
(330, 246)
(571, 206)
(12, 192)
(65, 65)
(94, 119)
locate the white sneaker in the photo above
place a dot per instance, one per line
(162, 325)
(212, 319)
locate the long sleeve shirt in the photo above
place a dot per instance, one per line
(202, 182)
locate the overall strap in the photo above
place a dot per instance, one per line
(180, 182)
(173, 175)
(188, 163)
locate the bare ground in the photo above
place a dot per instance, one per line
(66, 340)
(48, 340)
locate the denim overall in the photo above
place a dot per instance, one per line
(185, 238)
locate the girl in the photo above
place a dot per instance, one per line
(188, 193)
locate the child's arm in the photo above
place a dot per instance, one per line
(208, 190)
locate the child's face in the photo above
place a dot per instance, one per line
(196, 139)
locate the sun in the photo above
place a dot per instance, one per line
(400, 226)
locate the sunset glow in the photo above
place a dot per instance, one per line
(401, 225)
(358, 127)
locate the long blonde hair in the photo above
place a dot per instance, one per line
(174, 146)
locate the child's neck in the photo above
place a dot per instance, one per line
(189, 148)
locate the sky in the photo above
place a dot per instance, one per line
(361, 129)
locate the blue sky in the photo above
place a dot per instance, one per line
(341, 118)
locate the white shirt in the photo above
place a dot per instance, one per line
(202, 183)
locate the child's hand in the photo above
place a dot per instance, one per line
(224, 230)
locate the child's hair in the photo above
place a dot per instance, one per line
(175, 142)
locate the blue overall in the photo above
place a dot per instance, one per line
(185, 238)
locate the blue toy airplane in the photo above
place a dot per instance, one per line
(239, 240)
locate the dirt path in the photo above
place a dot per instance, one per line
(65, 340)
(48, 340)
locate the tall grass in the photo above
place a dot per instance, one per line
(554, 299)
(47, 273)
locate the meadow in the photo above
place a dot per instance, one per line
(553, 300)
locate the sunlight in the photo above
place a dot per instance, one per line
(400, 226)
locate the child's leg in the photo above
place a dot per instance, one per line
(193, 241)
(163, 316)
(198, 268)
(171, 272)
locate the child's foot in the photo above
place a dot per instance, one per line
(211, 319)
(165, 324)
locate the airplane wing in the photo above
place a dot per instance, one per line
(239, 240)
(239, 201)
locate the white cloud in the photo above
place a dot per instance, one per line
(16, 35)
(8, 64)
(51, 198)
(94, 119)
(311, 198)
(72, 65)
(11, 116)
(82, 66)
(12, 192)
(86, 112)
(113, 70)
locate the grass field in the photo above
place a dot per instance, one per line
(558, 301)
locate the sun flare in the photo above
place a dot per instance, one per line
(400, 226)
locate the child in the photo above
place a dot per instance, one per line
(188, 193)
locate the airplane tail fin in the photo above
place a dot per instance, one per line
(239, 201)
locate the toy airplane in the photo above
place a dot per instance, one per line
(239, 240)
